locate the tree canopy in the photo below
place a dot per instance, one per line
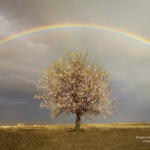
(73, 86)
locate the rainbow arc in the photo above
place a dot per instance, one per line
(61, 26)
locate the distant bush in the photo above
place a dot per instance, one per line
(33, 123)
(21, 125)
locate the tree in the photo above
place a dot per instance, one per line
(77, 88)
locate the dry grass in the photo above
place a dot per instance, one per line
(63, 137)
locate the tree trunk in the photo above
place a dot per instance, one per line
(78, 122)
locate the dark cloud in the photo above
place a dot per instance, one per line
(23, 59)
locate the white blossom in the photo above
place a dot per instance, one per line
(91, 85)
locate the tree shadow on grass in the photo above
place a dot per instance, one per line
(76, 131)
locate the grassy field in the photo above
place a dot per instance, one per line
(126, 136)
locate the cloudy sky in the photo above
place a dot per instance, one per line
(22, 60)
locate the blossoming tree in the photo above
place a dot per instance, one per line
(75, 87)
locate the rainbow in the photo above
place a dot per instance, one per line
(43, 28)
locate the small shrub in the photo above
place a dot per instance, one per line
(33, 123)
(21, 125)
